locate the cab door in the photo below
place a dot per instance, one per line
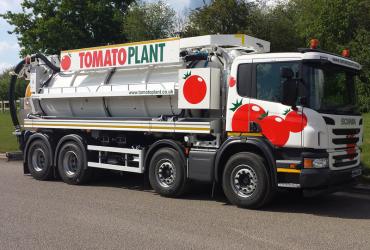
(280, 124)
(239, 93)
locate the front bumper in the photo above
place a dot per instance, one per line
(318, 181)
(322, 178)
(322, 181)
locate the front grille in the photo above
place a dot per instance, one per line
(344, 163)
(345, 137)
(344, 157)
(353, 131)
(345, 140)
(345, 143)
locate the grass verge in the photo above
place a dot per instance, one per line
(8, 142)
(365, 156)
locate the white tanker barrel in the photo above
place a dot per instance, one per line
(144, 106)
(115, 106)
(90, 83)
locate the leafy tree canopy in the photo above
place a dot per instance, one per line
(220, 16)
(48, 26)
(4, 86)
(338, 24)
(148, 21)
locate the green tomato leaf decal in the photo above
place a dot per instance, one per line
(286, 111)
(187, 74)
(263, 116)
(236, 105)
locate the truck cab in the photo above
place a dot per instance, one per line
(303, 105)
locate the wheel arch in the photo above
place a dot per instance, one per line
(236, 145)
(161, 144)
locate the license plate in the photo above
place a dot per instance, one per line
(356, 172)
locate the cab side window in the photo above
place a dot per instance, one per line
(269, 83)
(244, 79)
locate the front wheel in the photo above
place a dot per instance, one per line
(246, 182)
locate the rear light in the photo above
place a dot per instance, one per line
(314, 43)
(345, 53)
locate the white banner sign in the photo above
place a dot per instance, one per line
(122, 55)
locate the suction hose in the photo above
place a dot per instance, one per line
(13, 81)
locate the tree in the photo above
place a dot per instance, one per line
(48, 26)
(275, 24)
(4, 86)
(148, 21)
(220, 16)
(339, 24)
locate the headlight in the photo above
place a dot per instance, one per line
(320, 163)
(316, 163)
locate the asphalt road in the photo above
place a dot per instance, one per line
(120, 212)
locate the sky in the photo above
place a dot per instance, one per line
(9, 49)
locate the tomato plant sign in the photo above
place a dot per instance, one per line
(122, 55)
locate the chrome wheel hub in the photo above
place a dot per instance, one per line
(244, 181)
(39, 160)
(70, 163)
(166, 173)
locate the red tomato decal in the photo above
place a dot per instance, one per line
(240, 120)
(195, 89)
(232, 81)
(255, 112)
(66, 62)
(275, 129)
(295, 121)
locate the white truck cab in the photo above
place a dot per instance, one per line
(315, 126)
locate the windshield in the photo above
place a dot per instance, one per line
(331, 88)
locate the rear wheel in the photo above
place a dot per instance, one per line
(72, 163)
(39, 160)
(167, 173)
(246, 181)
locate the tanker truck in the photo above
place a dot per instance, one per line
(219, 109)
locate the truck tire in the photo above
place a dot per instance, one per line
(245, 181)
(40, 161)
(72, 163)
(167, 173)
